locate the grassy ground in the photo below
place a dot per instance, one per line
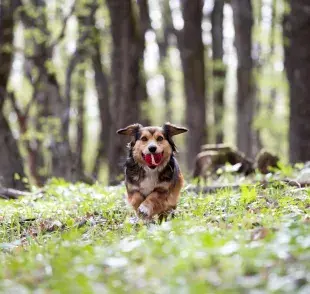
(80, 239)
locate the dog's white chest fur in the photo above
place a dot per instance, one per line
(149, 182)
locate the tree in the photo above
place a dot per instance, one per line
(296, 28)
(273, 90)
(258, 61)
(163, 45)
(10, 159)
(54, 102)
(85, 12)
(193, 64)
(103, 93)
(243, 23)
(125, 74)
(53, 112)
(219, 70)
(144, 25)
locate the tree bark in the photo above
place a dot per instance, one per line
(103, 96)
(219, 70)
(163, 45)
(79, 165)
(125, 80)
(243, 23)
(10, 159)
(192, 57)
(257, 68)
(296, 28)
(273, 90)
(145, 24)
(23, 123)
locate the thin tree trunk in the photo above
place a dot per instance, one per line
(80, 123)
(296, 28)
(258, 64)
(145, 24)
(125, 79)
(219, 70)
(76, 66)
(163, 45)
(11, 162)
(103, 94)
(23, 122)
(273, 91)
(243, 23)
(192, 57)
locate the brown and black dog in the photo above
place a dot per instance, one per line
(152, 175)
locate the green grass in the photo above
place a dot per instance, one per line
(80, 239)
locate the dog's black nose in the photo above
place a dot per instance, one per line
(152, 148)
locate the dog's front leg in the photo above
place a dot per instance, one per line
(135, 199)
(155, 203)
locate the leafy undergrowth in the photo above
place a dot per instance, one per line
(80, 239)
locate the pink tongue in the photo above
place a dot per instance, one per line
(153, 159)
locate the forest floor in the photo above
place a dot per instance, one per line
(80, 239)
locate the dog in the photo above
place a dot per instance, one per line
(152, 174)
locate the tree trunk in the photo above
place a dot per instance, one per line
(10, 159)
(258, 66)
(76, 71)
(125, 80)
(296, 28)
(243, 23)
(163, 45)
(273, 90)
(53, 114)
(192, 57)
(219, 70)
(79, 166)
(11, 162)
(145, 24)
(103, 96)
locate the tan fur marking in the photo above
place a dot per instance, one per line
(161, 202)
(135, 199)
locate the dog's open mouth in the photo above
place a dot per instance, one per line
(153, 159)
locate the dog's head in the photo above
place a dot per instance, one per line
(152, 146)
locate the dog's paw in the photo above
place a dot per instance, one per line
(133, 220)
(144, 211)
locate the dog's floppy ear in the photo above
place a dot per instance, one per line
(173, 130)
(130, 130)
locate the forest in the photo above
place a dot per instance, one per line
(233, 72)
(73, 72)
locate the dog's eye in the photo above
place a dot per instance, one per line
(160, 138)
(144, 139)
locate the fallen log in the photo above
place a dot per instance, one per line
(208, 162)
(215, 156)
(9, 193)
(211, 189)
(221, 147)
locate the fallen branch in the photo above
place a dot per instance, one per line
(294, 183)
(9, 193)
(236, 187)
(211, 189)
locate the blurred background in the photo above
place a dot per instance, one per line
(72, 72)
